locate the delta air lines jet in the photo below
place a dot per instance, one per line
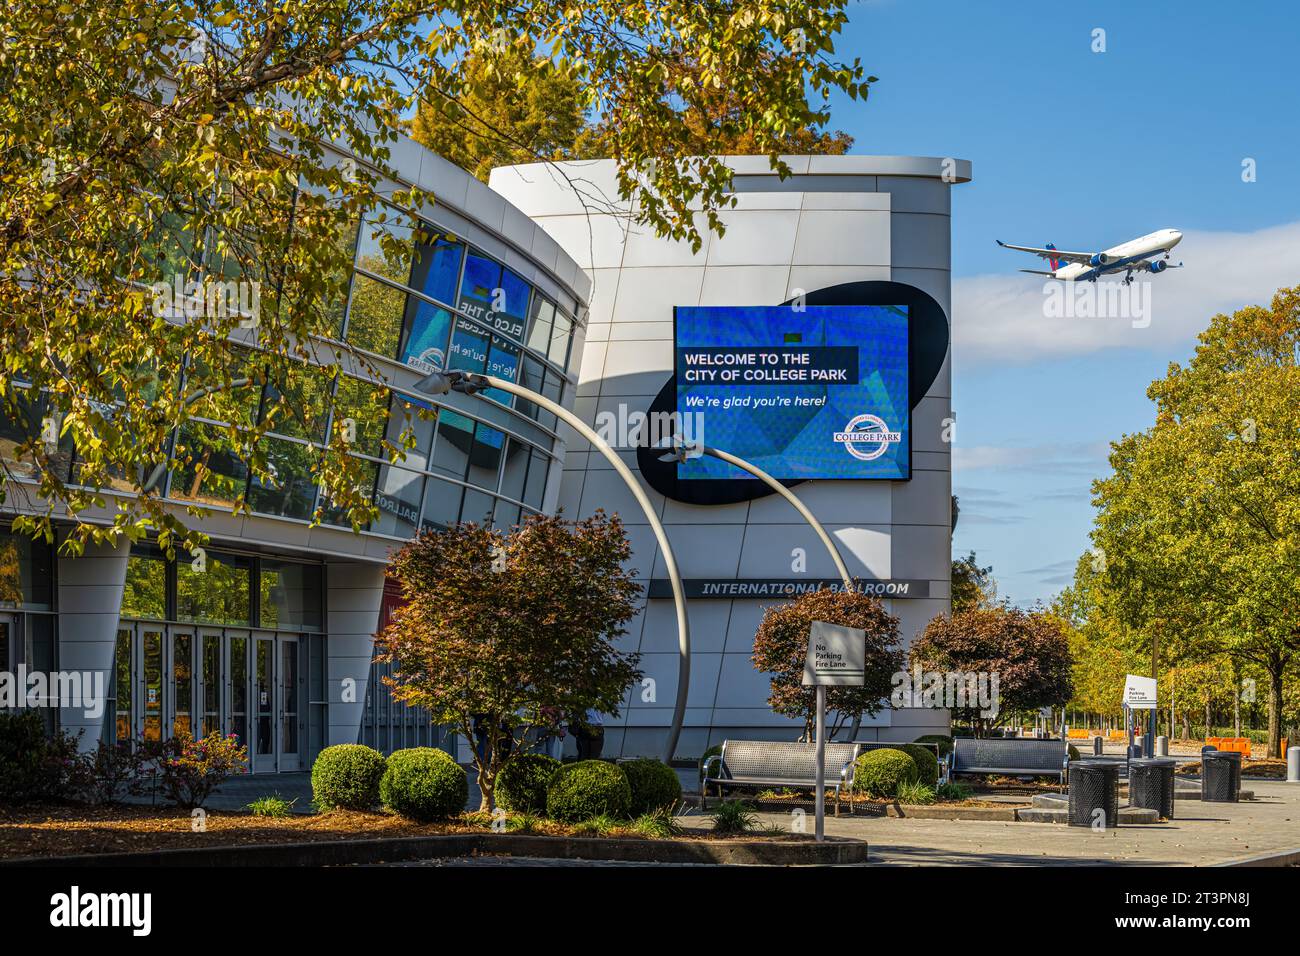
(1150, 253)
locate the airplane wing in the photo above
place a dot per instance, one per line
(1062, 254)
(1039, 272)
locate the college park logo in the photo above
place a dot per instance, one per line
(867, 437)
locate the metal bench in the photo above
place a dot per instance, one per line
(1012, 756)
(776, 763)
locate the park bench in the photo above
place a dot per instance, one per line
(777, 763)
(1014, 757)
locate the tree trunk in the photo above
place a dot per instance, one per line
(1275, 713)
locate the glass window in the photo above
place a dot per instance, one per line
(494, 296)
(398, 495)
(211, 683)
(146, 587)
(516, 469)
(535, 486)
(427, 328)
(420, 419)
(387, 244)
(289, 489)
(506, 516)
(209, 468)
(122, 691)
(451, 450)
(290, 595)
(437, 269)
(469, 347)
(531, 376)
(477, 508)
(297, 405)
(20, 422)
(560, 334)
(153, 672)
(441, 504)
(218, 594)
(183, 678)
(485, 457)
(375, 316)
(335, 515)
(26, 571)
(503, 362)
(366, 404)
(540, 319)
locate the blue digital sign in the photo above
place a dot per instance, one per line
(800, 391)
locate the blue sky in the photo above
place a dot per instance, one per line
(1085, 150)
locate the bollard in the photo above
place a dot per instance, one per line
(1162, 746)
(1096, 746)
(1293, 765)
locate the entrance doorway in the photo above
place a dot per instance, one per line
(10, 642)
(174, 679)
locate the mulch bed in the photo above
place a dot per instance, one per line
(73, 830)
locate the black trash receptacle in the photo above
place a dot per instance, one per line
(1151, 785)
(1220, 776)
(1094, 785)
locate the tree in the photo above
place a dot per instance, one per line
(152, 141)
(1028, 652)
(502, 631)
(972, 586)
(781, 650)
(1199, 523)
(518, 107)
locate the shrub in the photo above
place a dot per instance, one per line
(116, 769)
(424, 783)
(654, 785)
(943, 740)
(915, 793)
(189, 770)
(35, 766)
(586, 789)
(927, 764)
(714, 751)
(657, 824)
(273, 806)
(879, 772)
(733, 816)
(953, 791)
(602, 825)
(346, 777)
(1073, 751)
(521, 784)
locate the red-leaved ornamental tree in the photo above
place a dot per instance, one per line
(1029, 653)
(781, 649)
(501, 631)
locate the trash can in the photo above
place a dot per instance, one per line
(1220, 776)
(1094, 785)
(1151, 785)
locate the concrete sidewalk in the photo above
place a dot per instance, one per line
(1202, 834)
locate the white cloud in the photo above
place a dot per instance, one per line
(1001, 317)
(1085, 458)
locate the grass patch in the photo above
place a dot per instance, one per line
(274, 806)
(915, 793)
(734, 816)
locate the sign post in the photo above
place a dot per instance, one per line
(837, 657)
(1140, 694)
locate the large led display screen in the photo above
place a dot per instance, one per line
(800, 391)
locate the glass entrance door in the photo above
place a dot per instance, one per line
(291, 730)
(8, 642)
(263, 749)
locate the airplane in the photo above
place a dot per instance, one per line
(1136, 254)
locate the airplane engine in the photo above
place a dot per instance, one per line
(1100, 259)
(1158, 266)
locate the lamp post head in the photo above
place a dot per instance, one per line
(450, 380)
(679, 449)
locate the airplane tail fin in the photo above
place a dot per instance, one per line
(1054, 262)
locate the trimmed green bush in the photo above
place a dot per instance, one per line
(424, 783)
(586, 789)
(654, 785)
(927, 764)
(1073, 751)
(521, 786)
(879, 772)
(346, 777)
(943, 740)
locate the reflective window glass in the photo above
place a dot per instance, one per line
(145, 594)
(375, 316)
(214, 592)
(289, 595)
(387, 244)
(289, 490)
(427, 329)
(398, 495)
(437, 268)
(209, 467)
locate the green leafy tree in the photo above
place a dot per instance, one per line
(149, 141)
(781, 650)
(501, 631)
(1200, 522)
(972, 585)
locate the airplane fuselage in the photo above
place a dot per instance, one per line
(1136, 254)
